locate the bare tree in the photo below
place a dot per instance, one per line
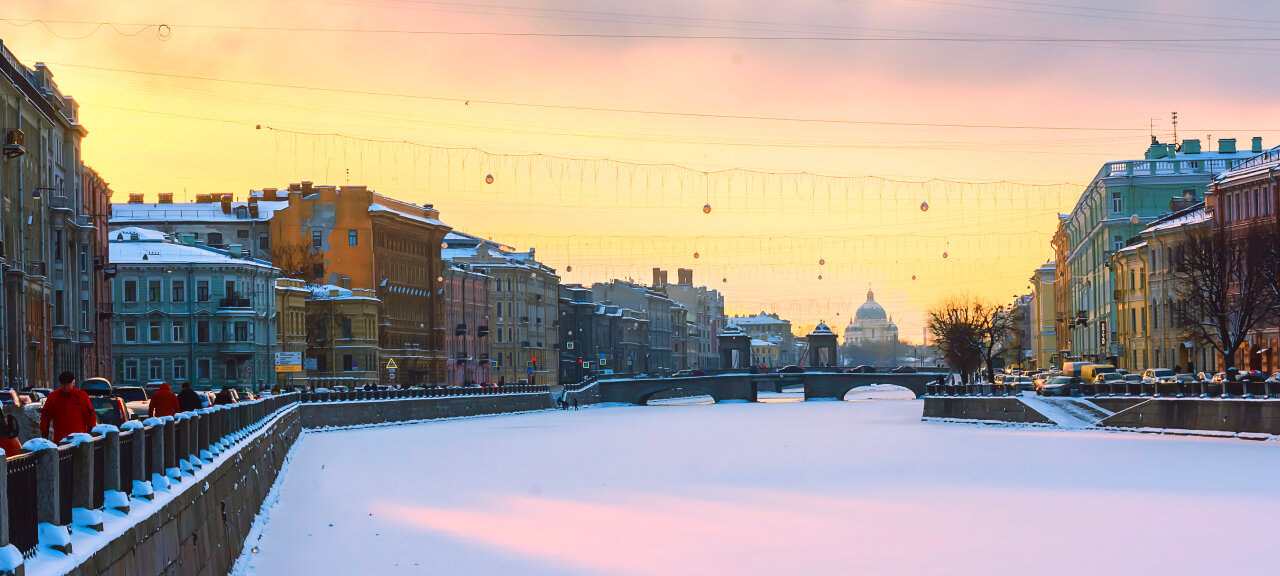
(1226, 286)
(296, 260)
(970, 333)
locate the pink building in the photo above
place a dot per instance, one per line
(466, 301)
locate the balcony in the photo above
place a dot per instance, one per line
(60, 202)
(482, 331)
(234, 303)
(238, 348)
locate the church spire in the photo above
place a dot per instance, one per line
(871, 296)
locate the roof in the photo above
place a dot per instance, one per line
(152, 247)
(211, 212)
(822, 330)
(1259, 164)
(759, 319)
(333, 292)
(402, 214)
(1185, 217)
(870, 310)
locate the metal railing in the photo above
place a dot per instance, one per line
(1199, 389)
(450, 392)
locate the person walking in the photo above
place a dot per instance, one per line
(189, 399)
(575, 402)
(67, 409)
(163, 403)
(225, 397)
(9, 437)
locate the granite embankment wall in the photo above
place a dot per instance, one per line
(998, 408)
(201, 531)
(1240, 416)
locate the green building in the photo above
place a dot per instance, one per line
(1123, 198)
(188, 312)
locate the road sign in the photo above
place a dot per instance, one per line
(586, 365)
(494, 362)
(528, 370)
(391, 375)
(391, 364)
(568, 345)
(529, 364)
(603, 361)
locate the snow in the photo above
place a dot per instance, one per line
(1066, 412)
(764, 488)
(37, 444)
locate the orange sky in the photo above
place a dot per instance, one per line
(766, 233)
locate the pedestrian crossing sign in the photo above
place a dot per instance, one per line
(494, 362)
(586, 365)
(568, 345)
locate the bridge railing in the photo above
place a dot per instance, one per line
(400, 394)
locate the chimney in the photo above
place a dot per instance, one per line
(253, 210)
(226, 205)
(165, 198)
(685, 276)
(268, 193)
(659, 277)
(1226, 145)
(135, 198)
(306, 187)
(1190, 146)
(1257, 145)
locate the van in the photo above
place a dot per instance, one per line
(1091, 372)
(1074, 368)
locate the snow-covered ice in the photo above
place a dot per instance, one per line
(764, 488)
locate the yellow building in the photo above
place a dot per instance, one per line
(1043, 339)
(765, 354)
(342, 337)
(1131, 296)
(291, 326)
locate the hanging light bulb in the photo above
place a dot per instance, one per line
(913, 276)
(488, 179)
(822, 261)
(724, 279)
(568, 268)
(819, 276)
(533, 274)
(695, 255)
(944, 254)
(439, 278)
(1134, 219)
(706, 208)
(924, 206)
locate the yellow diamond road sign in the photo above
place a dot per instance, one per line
(391, 363)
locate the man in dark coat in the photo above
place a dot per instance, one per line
(189, 399)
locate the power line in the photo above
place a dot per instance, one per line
(684, 114)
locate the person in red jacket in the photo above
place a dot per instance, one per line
(68, 409)
(163, 403)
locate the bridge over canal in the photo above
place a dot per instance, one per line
(721, 387)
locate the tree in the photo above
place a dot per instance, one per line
(969, 333)
(1225, 286)
(296, 260)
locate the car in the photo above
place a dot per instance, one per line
(1157, 375)
(863, 369)
(903, 370)
(1060, 386)
(136, 399)
(1102, 382)
(1251, 376)
(1021, 383)
(1219, 377)
(1275, 378)
(683, 374)
(110, 409)
(791, 369)
(11, 396)
(96, 386)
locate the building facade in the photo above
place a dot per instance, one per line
(1121, 200)
(185, 312)
(663, 314)
(1043, 324)
(291, 328)
(466, 295)
(772, 329)
(48, 311)
(354, 238)
(579, 351)
(215, 220)
(342, 337)
(705, 317)
(524, 309)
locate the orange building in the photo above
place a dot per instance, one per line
(352, 237)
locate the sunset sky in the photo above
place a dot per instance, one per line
(227, 97)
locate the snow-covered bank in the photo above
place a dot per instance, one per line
(767, 488)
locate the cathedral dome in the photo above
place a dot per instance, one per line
(870, 310)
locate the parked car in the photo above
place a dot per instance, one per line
(1252, 376)
(683, 374)
(136, 400)
(110, 409)
(11, 396)
(1060, 386)
(1021, 383)
(791, 369)
(1157, 375)
(863, 369)
(1102, 382)
(1275, 378)
(903, 370)
(96, 386)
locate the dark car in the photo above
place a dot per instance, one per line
(864, 369)
(903, 370)
(698, 373)
(110, 409)
(1060, 386)
(791, 369)
(96, 386)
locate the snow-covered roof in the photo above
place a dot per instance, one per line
(759, 342)
(151, 247)
(333, 292)
(403, 214)
(1188, 217)
(210, 212)
(757, 320)
(822, 330)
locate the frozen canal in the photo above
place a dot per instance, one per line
(768, 488)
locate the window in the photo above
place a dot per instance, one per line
(153, 331)
(131, 369)
(130, 332)
(60, 308)
(230, 368)
(1133, 320)
(348, 363)
(229, 289)
(346, 328)
(1117, 243)
(155, 369)
(264, 242)
(130, 290)
(242, 234)
(179, 291)
(1116, 203)
(242, 332)
(215, 239)
(202, 331)
(179, 331)
(153, 291)
(202, 290)
(84, 261)
(203, 368)
(317, 271)
(84, 314)
(316, 241)
(179, 369)
(353, 238)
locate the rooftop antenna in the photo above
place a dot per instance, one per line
(1175, 127)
